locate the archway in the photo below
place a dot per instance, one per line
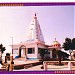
(22, 51)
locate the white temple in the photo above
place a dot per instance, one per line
(31, 48)
(34, 43)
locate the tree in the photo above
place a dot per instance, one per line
(73, 44)
(57, 53)
(69, 45)
(2, 49)
(54, 54)
(61, 55)
(65, 56)
(42, 53)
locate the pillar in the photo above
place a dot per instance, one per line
(36, 51)
(25, 53)
(50, 53)
(45, 65)
(69, 65)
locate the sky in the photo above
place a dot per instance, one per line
(55, 22)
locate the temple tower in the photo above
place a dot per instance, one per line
(34, 32)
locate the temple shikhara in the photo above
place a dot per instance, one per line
(34, 44)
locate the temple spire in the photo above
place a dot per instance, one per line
(35, 32)
(35, 14)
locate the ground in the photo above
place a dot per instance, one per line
(38, 67)
(22, 61)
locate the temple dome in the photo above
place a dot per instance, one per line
(56, 43)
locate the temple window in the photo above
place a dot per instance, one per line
(31, 50)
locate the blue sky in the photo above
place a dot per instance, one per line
(55, 22)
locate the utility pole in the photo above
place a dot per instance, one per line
(11, 57)
(12, 44)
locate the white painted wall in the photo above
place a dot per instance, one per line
(30, 45)
(36, 51)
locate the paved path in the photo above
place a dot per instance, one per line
(38, 67)
(54, 67)
(50, 67)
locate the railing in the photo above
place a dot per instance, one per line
(67, 64)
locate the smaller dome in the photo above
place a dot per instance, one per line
(56, 43)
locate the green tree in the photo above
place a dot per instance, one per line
(73, 44)
(57, 54)
(69, 44)
(42, 53)
(2, 49)
(65, 56)
(60, 55)
(54, 54)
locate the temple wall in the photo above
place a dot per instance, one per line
(36, 49)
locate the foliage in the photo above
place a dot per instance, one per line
(2, 48)
(65, 55)
(54, 53)
(73, 44)
(69, 44)
(42, 53)
(61, 55)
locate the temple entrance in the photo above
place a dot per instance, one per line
(22, 51)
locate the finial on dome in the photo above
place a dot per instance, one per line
(55, 39)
